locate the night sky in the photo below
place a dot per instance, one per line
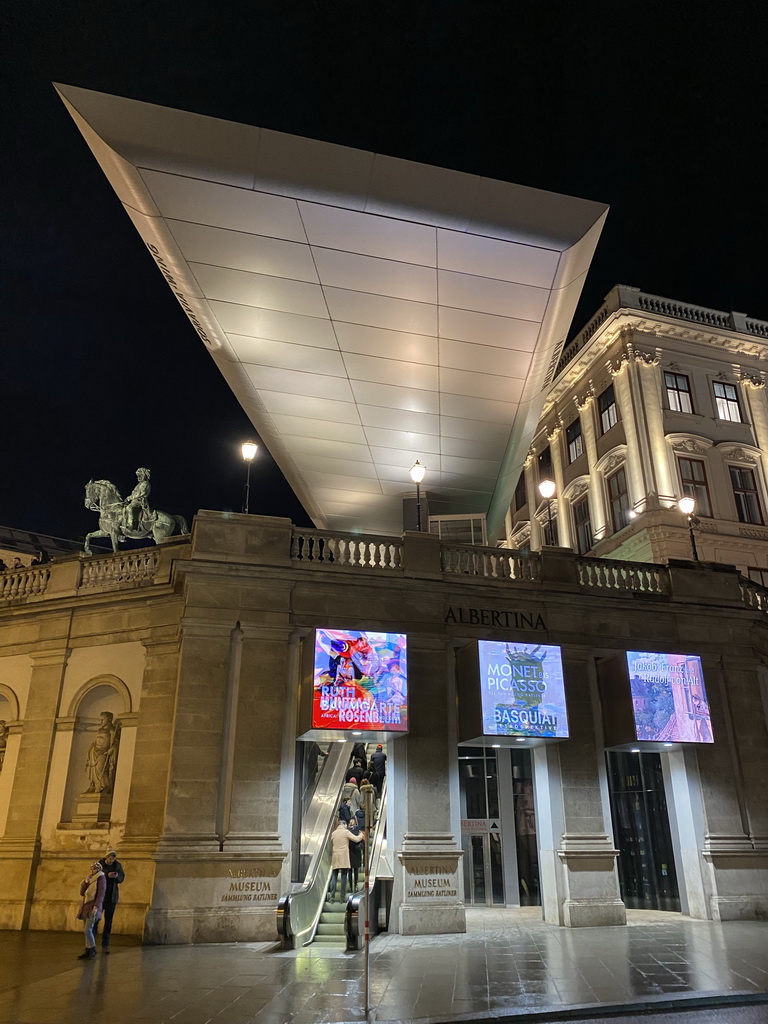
(656, 108)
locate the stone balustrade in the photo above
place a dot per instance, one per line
(612, 574)
(625, 297)
(753, 595)
(490, 563)
(316, 548)
(125, 567)
(23, 583)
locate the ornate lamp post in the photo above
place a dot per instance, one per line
(249, 449)
(687, 505)
(546, 490)
(417, 475)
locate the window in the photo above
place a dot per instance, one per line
(609, 413)
(618, 498)
(758, 575)
(521, 497)
(574, 440)
(745, 492)
(545, 464)
(693, 476)
(583, 525)
(460, 529)
(678, 392)
(727, 403)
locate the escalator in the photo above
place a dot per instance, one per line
(304, 914)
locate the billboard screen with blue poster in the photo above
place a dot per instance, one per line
(360, 681)
(522, 689)
(669, 701)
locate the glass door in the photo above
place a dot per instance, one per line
(646, 861)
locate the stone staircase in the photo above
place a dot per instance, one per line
(330, 929)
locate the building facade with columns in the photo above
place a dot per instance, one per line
(654, 400)
(195, 650)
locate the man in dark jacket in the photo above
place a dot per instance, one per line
(113, 869)
(379, 768)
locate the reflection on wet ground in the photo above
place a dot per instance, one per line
(508, 960)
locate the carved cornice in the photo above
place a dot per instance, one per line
(647, 358)
(556, 430)
(694, 445)
(589, 396)
(617, 369)
(529, 458)
(576, 488)
(752, 380)
(612, 460)
(738, 454)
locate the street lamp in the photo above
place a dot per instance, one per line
(249, 449)
(686, 505)
(417, 475)
(546, 490)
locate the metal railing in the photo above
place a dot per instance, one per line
(325, 548)
(490, 563)
(612, 574)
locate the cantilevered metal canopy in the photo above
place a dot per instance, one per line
(366, 311)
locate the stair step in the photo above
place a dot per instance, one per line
(330, 929)
(335, 941)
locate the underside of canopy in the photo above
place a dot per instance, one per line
(366, 311)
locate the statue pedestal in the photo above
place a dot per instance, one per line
(92, 810)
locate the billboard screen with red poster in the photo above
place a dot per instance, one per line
(360, 681)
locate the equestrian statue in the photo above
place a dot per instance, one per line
(130, 518)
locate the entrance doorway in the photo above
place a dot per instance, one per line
(498, 827)
(641, 832)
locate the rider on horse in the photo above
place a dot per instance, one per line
(136, 507)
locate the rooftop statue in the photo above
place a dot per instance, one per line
(130, 518)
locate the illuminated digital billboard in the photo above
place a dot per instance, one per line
(522, 689)
(669, 701)
(360, 681)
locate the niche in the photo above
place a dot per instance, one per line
(94, 753)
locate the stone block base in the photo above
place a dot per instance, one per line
(593, 913)
(181, 927)
(739, 908)
(433, 921)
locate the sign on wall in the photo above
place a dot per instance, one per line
(360, 681)
(669, 701)
(522, 689)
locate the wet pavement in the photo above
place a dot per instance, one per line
(509, 963)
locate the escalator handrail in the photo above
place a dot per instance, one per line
(299, 911)
(354, 901)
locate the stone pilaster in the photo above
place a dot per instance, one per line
(626, 401)
(579, 867)
(20, 846)
(427, 890)
(733, 788)
(597, 507)
(563, 523)
(647, 375)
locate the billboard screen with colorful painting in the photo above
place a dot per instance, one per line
(360, 681)
(669, 701)
(522, 689)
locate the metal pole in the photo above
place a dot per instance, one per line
(367, 794)
(418, 507)
(549, 517)
(247, 486)
(693, 539)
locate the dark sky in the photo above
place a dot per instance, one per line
(656, 108)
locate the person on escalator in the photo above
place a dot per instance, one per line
(379, 768)
(352, 793)
(356, 771)
(341, 837)
(359, 754)
(355, 857)
(345, 812)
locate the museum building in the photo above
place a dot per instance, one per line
(563, 727)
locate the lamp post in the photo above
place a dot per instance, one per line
(249, 449)
(546, 490)
(417, 475)
(686, 505)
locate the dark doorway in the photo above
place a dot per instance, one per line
(641, 831)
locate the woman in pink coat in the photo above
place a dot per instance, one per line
(92, 889)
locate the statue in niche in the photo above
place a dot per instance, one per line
(3, 741)
(102, 756)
